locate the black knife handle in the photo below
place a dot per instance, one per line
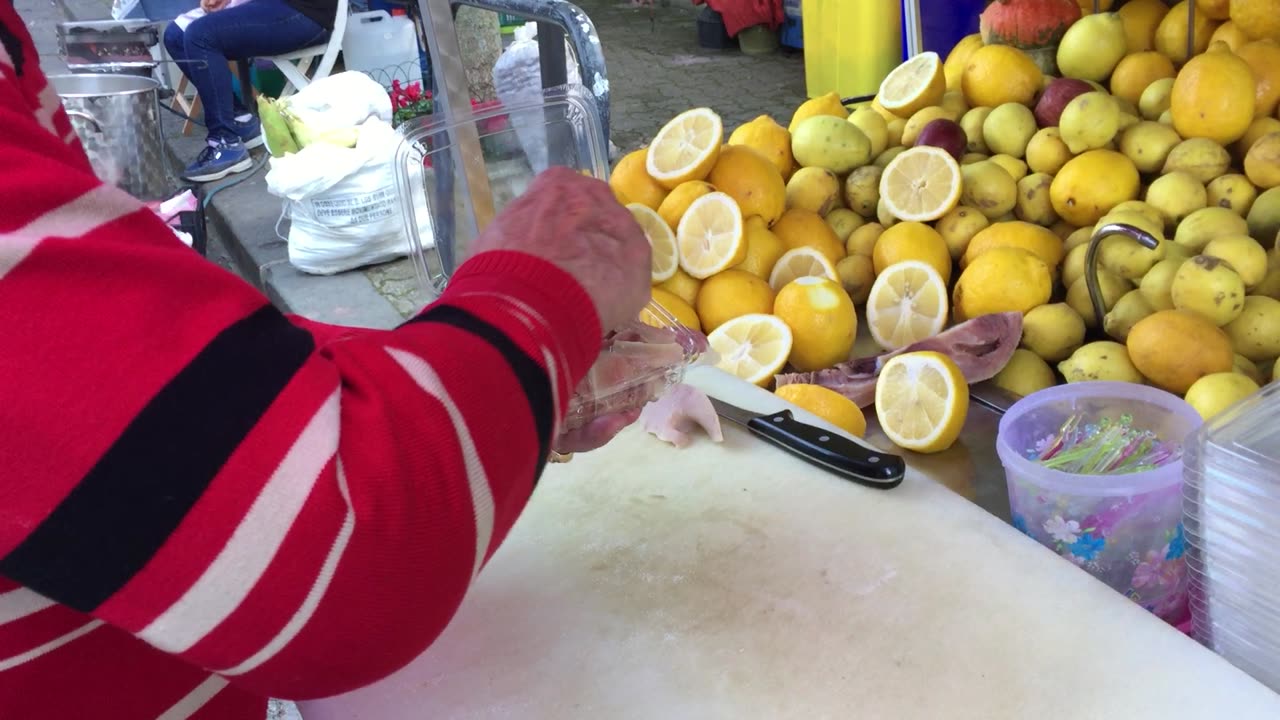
(830, 451)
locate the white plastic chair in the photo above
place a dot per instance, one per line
(297, 65)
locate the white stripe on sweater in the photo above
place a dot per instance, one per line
(196, 699)
(93, 209)
(477, 480)
(19, 603)
(321, 584)
(26, 657)
(255, 542)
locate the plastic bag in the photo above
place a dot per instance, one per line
(517, 78)
(343, 203)
(344, 100)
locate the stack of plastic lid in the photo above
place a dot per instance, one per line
(1231, 497)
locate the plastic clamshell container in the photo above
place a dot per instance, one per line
(560, 127)
(517, 142)
(1232, 506)
(1103, 522)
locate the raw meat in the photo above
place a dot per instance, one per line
(981, 347)
(638, 363)
(674, 416)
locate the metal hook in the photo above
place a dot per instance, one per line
(87, 118)
(1142, 237)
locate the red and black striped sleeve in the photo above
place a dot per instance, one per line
(298, 508)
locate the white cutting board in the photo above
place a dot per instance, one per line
(733, 581)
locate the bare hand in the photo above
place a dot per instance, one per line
(576, 223)
(210, 6)
(596, 433)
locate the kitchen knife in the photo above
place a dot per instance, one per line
(827, 450)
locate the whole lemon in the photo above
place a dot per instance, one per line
(682, 285)
(873, 125)
(989, 188)
(1255, 334)
(843, 222)
(826, 404)
(1259, 19)
(673, 304)
(1092, 47)
(1047, 152)
(1003, 279)
(1174, 349)
(912, 241)
(1213, 97)
(958, 59)
(1176, 196)
(752, 180)
(1024, 374)
(959, 227)
(1231, 34)
(1171, 34)
(763, 248)
(823, 322)
(998, 74)
(730, 294)
(1091, 184)
(828, 104)
(1140, 19)
(631, 179)
(805, 228)
(675, 204)
(1053, 331)
(816, 189)
(1041, 241)
(1212, 394)
(1137, 71)
(770, 139)
(1263, 57)
(831, 143)
(1262, 164)
(1100, 360)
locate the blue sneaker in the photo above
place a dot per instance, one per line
(219, 159)
(250, 132)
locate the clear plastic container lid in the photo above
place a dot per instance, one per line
(455, 172)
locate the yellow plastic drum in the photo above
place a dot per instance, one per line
(850, 45)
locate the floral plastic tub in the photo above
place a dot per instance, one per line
(1124, 529)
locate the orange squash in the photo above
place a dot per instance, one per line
(1033, 26)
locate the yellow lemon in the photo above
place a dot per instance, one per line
(921, 184)
(1231, 34)
(673, 304)
(763, 248)
(1141, 18)
(1213, 97)
(729, 294)
(631, 182)
(676, 204)
(999, 74)
(1091, 184)
(828, 104)
(1137, 71)
(1041, 241)
(710, 236)
(1003, 279)
(805, 228)
(958, 59)
(1263, 57)
(912, 241)
(914, 85)
(922, 400)
(1259, 19)
(664, 257)
(753, 347)
(682, 285)
(766, 136)
(752, 180)
(798, 263)
(828, 405)
(685, 148)
(908, 303)
(1213, 393)
(822, 319)
(1171, 34)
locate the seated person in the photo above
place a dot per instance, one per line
(234, 31)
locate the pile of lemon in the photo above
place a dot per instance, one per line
(772, 238)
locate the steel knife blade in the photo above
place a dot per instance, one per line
(830, 451)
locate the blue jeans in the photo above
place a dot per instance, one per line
(254, 29)
(158, 10)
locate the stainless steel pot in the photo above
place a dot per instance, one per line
(117, 118)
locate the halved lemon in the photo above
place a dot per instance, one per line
(753, 347)
(665, 259)
(801, 262)
(686, 148)
(922, 401)
(921, 185)
(710, 236)
(908, 303)
(914, 85)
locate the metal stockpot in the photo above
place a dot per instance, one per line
(117, 118)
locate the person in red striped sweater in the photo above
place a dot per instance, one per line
(205, 502)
